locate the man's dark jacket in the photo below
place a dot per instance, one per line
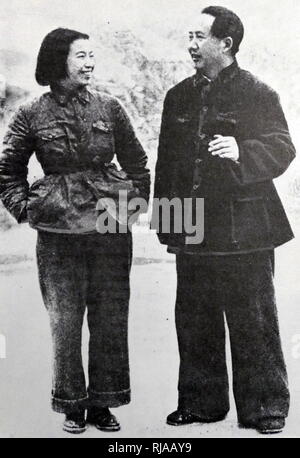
(242, 209)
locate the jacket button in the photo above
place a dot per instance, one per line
(198, 161)
(195, 187)
(205, 108)
(202, 136)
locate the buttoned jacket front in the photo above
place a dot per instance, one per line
(242, 209)
(75, 138)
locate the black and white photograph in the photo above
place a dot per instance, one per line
(149, 221)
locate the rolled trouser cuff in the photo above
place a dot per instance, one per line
(67, 406)
(261, 412)
(208, 410)
(108, 398)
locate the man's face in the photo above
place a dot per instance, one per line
(205, 49)
(80, 63)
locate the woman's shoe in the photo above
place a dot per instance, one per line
(75, 422)
(103, 419)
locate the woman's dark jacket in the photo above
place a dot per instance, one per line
(75, 138)
(242, 209)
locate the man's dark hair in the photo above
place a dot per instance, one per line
(52, 58)
(226, 24)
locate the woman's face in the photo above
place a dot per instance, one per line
(80, 63)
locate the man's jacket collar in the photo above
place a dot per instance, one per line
(228, 73)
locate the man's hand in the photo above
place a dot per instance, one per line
(224, 147)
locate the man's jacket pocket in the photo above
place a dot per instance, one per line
(250, 222)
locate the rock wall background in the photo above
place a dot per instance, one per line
(141, 52)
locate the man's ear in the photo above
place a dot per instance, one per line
(228, 43)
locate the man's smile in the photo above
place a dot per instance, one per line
(195, 57)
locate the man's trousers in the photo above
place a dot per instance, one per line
(241, 288)
(79, 272)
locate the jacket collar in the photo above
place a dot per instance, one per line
(228, 73)
(200, 80)
(63, 97)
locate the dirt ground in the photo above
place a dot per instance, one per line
(25, 372)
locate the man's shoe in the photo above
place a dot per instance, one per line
(268, 425)
(181, 417)
(75, 423)
(103, 419)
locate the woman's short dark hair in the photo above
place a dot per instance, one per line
(226, 24)
(52, 58)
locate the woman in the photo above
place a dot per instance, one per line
(75, 133)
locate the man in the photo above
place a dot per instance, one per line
(224, 138)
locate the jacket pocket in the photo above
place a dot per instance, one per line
(181, 123)
(222, 124)
(183, 119)
(50, 134)
(250, 223)
(39, 197)
(51, 140)
(182, 129)
(103, 136)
